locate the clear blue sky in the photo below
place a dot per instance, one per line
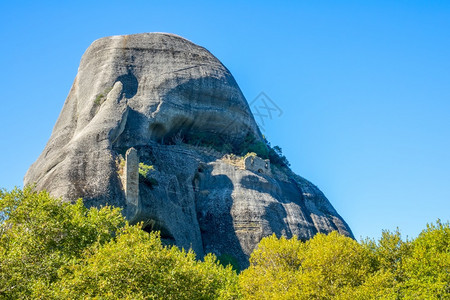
(364, 87)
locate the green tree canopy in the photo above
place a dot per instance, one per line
(337, 267)
(40, 234)
(136, 266)
(324, 267)
(50, 249)
(427, 268)
(55, 250)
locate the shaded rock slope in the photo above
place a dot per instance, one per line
(149, 125)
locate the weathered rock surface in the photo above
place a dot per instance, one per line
(157, 93)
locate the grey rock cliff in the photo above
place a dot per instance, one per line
(171, 101)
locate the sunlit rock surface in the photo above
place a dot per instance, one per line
(165, 96)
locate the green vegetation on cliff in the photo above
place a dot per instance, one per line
(55, 250)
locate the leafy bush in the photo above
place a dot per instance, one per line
(144, 175)
(252, 144)
(100, 98)
(208, 140)
(228, 259)
(55, 250)
(263, 149)
(145, 170)
(40, 235)
(321, 268)
(337, 267)
(136, 266)
(427, 268)
(276, 157)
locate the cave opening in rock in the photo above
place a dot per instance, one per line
(157, 132)
(189, 130)
(166, 236)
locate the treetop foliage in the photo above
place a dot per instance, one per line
(337, 267)
(55, 250)
(50, 249)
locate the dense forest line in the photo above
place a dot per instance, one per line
(55, 250)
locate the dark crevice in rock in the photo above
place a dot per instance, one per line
(130, 84)
(166, 237)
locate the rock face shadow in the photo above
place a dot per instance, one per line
(130, 84)
(270, 203)
(283, 211)
(213, 197)
(276, 214)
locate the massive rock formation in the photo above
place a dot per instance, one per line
(147, 126)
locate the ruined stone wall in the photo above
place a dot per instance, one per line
(257, 164)
(132, 178)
